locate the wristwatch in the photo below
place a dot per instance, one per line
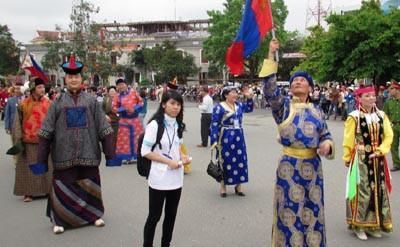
(180, 163)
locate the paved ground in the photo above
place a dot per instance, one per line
(204, 219)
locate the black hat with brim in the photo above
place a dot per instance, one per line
(35, 82)
(72, 67)
(120, 80)
(72, 71)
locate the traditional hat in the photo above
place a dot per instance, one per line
(72, 67)
(35, 82)
(302, 74)
(229, 86)
(120, 80)
(173, 84)
(394, 84)
(362, 90)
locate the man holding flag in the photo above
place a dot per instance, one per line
(299, 199)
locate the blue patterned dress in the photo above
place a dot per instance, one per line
(299, 192)
(226, 129)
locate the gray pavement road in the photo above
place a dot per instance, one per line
(204, 219)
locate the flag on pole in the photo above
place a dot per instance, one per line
(256, 23)
(30, 64)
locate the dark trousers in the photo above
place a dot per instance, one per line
(156, 202)
(205, 128)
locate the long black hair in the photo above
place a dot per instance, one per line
(159, 115)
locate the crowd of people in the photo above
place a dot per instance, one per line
(58, 139)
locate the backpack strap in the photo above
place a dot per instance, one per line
(160, 132)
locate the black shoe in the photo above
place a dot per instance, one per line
(223, 194)
(394, 169)
(239, 193)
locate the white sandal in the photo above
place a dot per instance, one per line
(361, 235)
(99, 223)
(58, 229)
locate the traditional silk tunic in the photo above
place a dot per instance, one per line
(130, 126)
(226, 130)
(299, 193)
(370, 209)
(392, 111)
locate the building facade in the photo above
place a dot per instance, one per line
(188, 37)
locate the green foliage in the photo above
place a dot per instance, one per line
(293, 45)
(166, 61)
(224, 26)
(223, 31)
(359, 44)
(313, 48)
(56, 51)
(81, 27)
(145, 82)
(9, 52)
(94, 52)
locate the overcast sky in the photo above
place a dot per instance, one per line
(24, 17)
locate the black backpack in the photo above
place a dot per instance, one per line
(143, 163)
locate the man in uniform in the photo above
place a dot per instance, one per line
(392, 109)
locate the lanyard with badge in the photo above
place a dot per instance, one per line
(170, 142)
(236, 123)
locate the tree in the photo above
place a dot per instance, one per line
(9, 52)
(293, 45)
(56, 51)
(313, 49)
(223, 31)
(166, 61)
(81, 27)
(138, 59)
(85, 42)
(359, 44)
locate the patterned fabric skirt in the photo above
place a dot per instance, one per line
(26, 183)
(370, 209)
(234, 157)
(77, 203)
(128, 134)
(299, 204)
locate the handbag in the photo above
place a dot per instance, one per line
(214, 169)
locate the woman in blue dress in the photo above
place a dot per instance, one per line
(299, 195)
(226, 134)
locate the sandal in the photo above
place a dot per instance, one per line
(58, 229)
(28, 199)
(99, 223)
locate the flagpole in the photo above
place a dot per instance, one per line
(273, 32)
(276, 52)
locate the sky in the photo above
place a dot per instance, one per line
(24, 17)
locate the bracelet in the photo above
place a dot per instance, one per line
(180, 163)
